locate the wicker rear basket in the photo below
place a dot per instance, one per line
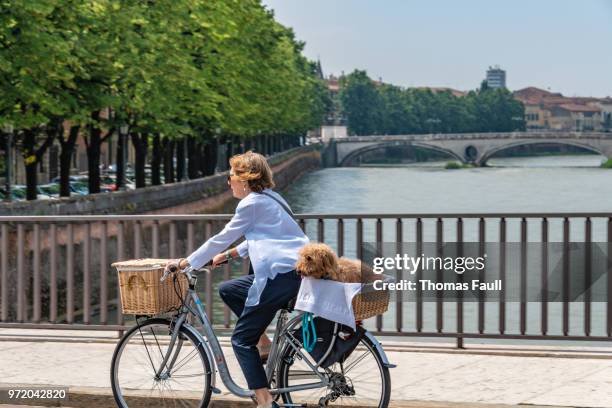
(142, 292)
(370, 302)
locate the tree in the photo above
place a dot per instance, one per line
(362, 103)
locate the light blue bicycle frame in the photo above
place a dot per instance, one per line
(282, 339)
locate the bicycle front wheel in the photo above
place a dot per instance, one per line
(361, 380)
(185, 381)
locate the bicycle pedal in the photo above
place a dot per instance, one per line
(216, 390)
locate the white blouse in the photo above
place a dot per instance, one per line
(273, 240)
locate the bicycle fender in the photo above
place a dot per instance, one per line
(209, 355)
(380, 350)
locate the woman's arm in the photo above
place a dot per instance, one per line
(240, 223)
(217, 259)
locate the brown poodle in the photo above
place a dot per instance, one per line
(319, 261)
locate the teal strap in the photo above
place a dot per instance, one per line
(308, 327)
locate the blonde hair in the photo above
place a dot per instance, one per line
(253, 168)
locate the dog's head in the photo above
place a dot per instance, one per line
(317, 261)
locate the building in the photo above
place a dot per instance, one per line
(606, 114)
(546, 110)
(496, 77)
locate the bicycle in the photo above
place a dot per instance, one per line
(168, 362)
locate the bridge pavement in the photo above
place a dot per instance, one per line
(428, 375)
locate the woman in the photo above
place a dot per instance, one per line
(273, 240)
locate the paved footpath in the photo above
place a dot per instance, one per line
(427, 375)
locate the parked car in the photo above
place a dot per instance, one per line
(79, 187)
(51, 189)
(18, 193)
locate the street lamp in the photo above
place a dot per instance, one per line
(123, 131)
(7, 128)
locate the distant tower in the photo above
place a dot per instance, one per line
(496, 77)
(319, 70)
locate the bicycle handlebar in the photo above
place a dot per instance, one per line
(175, 269)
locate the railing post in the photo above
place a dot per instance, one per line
(544, 297)
(53, 273)
(340, 237)
(481, 294)
(87, 274)
(36, 275)
(566, 280)
(4, 258)
(21, 312)
(587, 277)
(419, 276)
(439, 275)
(523, 277)
(459, 292)
(379, 239)
(502, 275)
(70, 274)
(399, 305)
(104, 273)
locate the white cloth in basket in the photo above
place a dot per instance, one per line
(329, 299)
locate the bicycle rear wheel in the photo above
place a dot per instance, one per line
(138, 355)
(362, 380)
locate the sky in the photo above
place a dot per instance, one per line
(559, 45)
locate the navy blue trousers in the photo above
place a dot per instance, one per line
(253, 320)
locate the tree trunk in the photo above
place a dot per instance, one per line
(180, 160)
(32, 157)
(156, 161)
(139, 140)
(194, 157)
(203, 163)
(210, 158)
(168, 146)
(93, 155)
(265, 145)
(120, 160)
(66, 159)
(229, 152)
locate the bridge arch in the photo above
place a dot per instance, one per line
(375, 146)
(492, 151)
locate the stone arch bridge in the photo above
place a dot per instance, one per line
(474, 148)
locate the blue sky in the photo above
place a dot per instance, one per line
(558, 44)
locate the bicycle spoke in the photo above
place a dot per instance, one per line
(143, 350)
(354, 363)
(361, 382)
(181, 363)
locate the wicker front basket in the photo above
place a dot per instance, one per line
(142, 292)
(370, 303)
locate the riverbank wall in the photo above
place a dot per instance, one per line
(208, 194)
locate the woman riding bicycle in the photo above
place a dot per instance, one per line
(272, 241)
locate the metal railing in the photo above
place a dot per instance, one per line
(55, 272)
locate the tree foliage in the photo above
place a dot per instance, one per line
(373, 108)
(173, 71)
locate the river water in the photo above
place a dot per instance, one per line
(562, 184)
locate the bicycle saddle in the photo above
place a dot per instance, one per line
(290, 305)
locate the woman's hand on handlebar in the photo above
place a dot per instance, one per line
(172, 266)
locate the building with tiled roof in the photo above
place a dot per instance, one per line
(553, 111)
